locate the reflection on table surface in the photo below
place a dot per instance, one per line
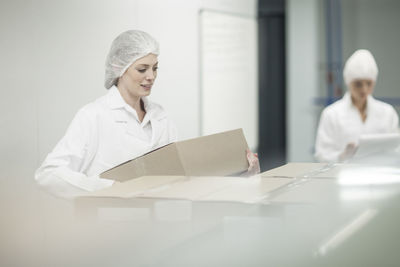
(329, 215)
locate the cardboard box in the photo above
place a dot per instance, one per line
(294, 170)
(221, 154)
(200, 188)
(306, 186)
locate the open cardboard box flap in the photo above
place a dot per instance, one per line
(294, 169)
(220, 154)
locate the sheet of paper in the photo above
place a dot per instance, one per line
(376, 144)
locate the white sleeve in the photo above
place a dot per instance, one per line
(394, 121)
(326, 145)
(62, 172)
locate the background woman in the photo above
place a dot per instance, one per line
(357, 113)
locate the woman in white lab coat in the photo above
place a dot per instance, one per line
(117, 127)
(357, 113)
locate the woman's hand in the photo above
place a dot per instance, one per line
(348, 152)
(254, 164)
(116, 182)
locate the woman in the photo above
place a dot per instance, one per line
(356, 114)
(115, 128)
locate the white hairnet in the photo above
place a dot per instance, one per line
(360, 65)
(128, 47)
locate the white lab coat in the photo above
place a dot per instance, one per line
(341, 124)
(103, 134)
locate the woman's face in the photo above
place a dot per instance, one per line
(140, 76)
(360, 90)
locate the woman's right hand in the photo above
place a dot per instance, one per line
(348, 152)
(254, 164)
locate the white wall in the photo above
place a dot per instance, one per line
(18, 120)
(52, 63)
(229, 74)
(302, 77)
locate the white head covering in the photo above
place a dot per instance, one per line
(128, 47)
(360, 65)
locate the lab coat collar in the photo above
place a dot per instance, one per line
(370, 102)
(154, 113)
(115, 101)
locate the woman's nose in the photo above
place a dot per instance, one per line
(150, 75)
(365, 88)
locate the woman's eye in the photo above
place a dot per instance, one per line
(155, 68)
(142, 70)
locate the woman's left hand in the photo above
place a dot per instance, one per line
(254, 164)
